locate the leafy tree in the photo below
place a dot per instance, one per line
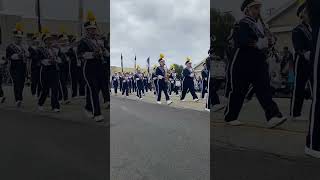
(220, 26)
(179, 69)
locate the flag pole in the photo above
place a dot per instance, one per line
(148, 61)
(38, 13)
(121, 63)
(80, 17)
(135, 62)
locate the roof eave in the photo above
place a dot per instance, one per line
(280, 11)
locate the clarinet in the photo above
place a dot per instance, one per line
(268, 33)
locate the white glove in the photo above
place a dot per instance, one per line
(206, 79)
(192, 75)
(88, 55)
(137, 79)
(262, 43)
(160, 77)
(307, 55)
(15, 57)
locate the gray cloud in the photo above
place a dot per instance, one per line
(147, 28)
(58, 9)
(234, 5)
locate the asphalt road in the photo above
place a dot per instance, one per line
(46, 148)
(232, 163)
(253, 152)
(158, 142)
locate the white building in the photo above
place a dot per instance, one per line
(198, 68)
(282, 22)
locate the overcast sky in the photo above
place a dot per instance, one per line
(58, 9)
(234, 5)
(149, 27)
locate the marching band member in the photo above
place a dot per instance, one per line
(145, 82)
(302, 42)
(16, 55)
(154, 80)
(313, 138)
(134, 83)
(62, 48)
(120, 80)
(138, 77)
(213, 101)
(161, 83)
(75, 70)
(205, 76)
(173, 80)
(249, 67)
(49, 72)
(130, 82)
(230, 52)
(149, 77)
(35, 65)
(106, 71)
(125, 84)
(90, 50)
(212, 94)
(187, 82)
(115, 83)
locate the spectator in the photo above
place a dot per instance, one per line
(287, 61)
(290, 77)
(199, 83)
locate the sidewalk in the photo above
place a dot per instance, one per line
(150, 98)
(287, 140)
